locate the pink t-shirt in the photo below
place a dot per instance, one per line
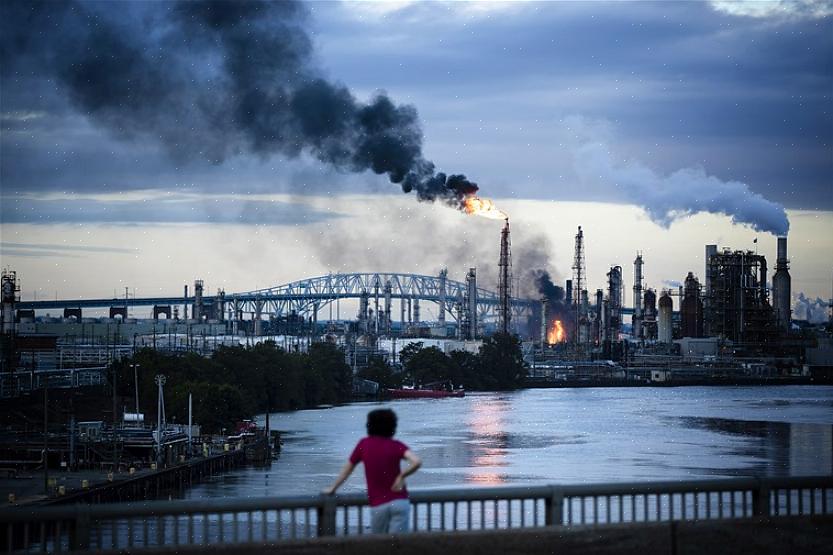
(381, 456)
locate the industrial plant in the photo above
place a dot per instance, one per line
(732, 323)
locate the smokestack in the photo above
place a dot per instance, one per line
(781, 287)
(544, 322)
(782, 249)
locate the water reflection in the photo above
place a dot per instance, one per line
(782, 449)
(489, 441)
(563, 436)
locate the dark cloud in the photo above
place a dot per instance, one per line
(747, 99)
(214, 79)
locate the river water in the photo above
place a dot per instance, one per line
(542, 436)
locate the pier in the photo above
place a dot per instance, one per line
(103, 487)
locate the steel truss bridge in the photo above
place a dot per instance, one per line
(307, 297)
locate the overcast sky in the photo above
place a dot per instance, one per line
(143, 113)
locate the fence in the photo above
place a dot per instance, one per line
(272, 519)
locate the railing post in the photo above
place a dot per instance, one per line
(79, 535)
(554, 508)
(760, 499)
(326, 516)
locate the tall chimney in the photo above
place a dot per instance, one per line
(781, 287)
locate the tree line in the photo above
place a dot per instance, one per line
(239, 382)
(235, 382)
(497, 366)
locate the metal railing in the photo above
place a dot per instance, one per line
(273, 519)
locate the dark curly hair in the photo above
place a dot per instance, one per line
(381, 422)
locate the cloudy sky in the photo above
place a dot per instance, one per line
(249, 145)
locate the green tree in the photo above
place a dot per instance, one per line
(327, 365)
(379, 371)
(502, 363)
(428, 365)
(408, 351)
(466, 370)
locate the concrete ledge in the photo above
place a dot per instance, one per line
(805, 535)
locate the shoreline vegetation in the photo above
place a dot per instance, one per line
(236, 383)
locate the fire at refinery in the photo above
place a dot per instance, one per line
(477, 206)
(556, 333)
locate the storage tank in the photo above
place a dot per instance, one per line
(666, 307)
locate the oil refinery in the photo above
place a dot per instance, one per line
(732, 324)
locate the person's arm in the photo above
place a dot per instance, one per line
(415, 463)
(345, 473)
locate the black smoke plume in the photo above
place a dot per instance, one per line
(557, 308)
(213, 79)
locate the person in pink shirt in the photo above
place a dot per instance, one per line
(381, 454)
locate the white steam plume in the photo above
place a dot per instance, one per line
(666, 198)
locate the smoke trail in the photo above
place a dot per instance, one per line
(216, 78)
(667, 198)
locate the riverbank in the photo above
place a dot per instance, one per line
(542, 383)
(94, 486)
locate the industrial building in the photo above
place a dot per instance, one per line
(732, 307)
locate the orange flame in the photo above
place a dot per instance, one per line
(477, 206)
(556, 333)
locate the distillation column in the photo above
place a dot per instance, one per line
(9, 288)
(637, 297)
(442, 302)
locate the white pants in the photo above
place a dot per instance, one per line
(391, 517)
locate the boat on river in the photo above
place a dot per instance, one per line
(436, 390)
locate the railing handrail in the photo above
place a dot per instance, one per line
(240, 505)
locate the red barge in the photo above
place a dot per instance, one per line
(424, 393)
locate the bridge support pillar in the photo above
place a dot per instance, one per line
(258, 323)
(73, 313)
(161, 309)
(554, 508)
(118, 311)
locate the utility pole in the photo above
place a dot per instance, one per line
(160, 416)
(46, 433)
